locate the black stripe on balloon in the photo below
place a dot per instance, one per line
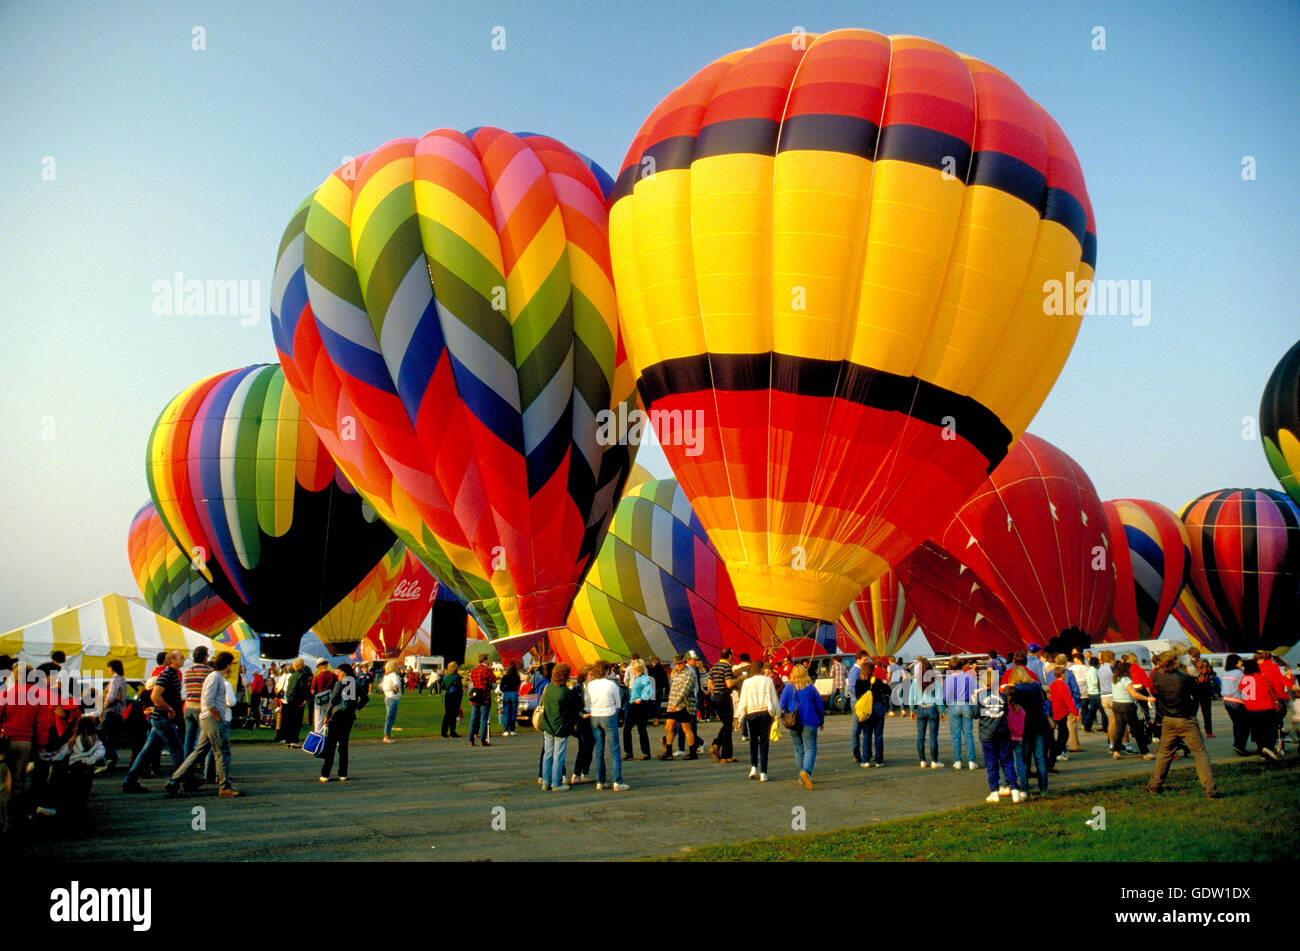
(1220, 609)
(1066, 210)
(823, 132)
(921, 146)
(1283, 614)
(674, 152)
(1009, 174)
(804, 376)
(750, 136)
(1089, 255)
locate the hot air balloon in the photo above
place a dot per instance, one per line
(1149, 546)
(1245, 565)
(408, 605)
(855, 265)
(959, 612)
(444, 307)
(1036, 534)
(1279, 421)
(658, 589)
(244, 486)
(880, 620)
(1196, 624)
(342, 630)
(168, 580)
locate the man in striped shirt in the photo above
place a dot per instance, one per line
(192, 678)
(721, 682)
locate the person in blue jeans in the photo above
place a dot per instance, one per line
(509, 708)
(603, 699)
(800, 696)
(959, 696)
(926, 701)
(166, 699)
(560, 710)
(859, 682)
(999, 746)
(1026, 698)
(874, 728)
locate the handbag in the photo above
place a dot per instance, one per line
(314, 744)
(537, 718)
(790, 720)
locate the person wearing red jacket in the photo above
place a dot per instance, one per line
(1142, 680)
(1261, 708)
(1063, 706)
(1277, 682)
(26, 719)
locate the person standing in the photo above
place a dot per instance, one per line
(1091, 686)
(481, 680)
(1029, 723)
(214, 710)
(1177, 697)
(800, 697)
(641, 701)
(681, 708)
(339, 719)
(192, 680)
(1233, 703)
(759, 705)
(112, 714)
(995, 738)
(839, 686)
(560, 709)
(926, 701)
(603, 700)
(452, 690)
(391, 685)
(721, 682)
(1063, 707)
(959, 696)
(293, 702)
(510, 681)
(856, 684)
(897, 693)
(1124, 703)
(167, 697)
(322, 685)
(1261, 709)
(27, 720)
(1035, 663)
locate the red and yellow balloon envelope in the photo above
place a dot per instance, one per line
(408, 605)
(879, 620)
(245, 487)
(1036, 534)
(1150, 548)
(658, 589)
(1245, 565)
(168, 580)
(959, 613)
(858, 262)
(444, 308)
(342, 630)
(1279, 421)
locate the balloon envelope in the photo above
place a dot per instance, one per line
(349, 621)
(1036, 533)
(168, 580)
(1279, 421)
(1150, 548)
(408, 605)
(958, 611)
(1245, 565)
(444, 308)
(832, 255)
(243, 484)
(881, 618)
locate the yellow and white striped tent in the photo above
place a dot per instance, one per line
(93, 633)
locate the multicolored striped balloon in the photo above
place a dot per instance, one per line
(1196, 624)
(1036, 534)
(168, 581)
(244, 487)
(445, 310)
(657, 589)
(1150, 548)
(958, 612)
(1245, 565)
(348, 621)
(1279, 421)
(850, 268)
(881, 618)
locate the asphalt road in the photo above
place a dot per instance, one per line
(435, 799)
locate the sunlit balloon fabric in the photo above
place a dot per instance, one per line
(1149, 546)
(408, 605)
(1279, 421)
(349, 621)
(1196, 624)
(658, 589)
(958, 611)
(837, 250)
(239, 479)
(168, 581)
(444, 307)
(880, 619)
(1245, 565)
(1036, 533)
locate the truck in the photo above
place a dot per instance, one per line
(425, 664)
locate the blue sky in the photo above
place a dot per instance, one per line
(166, 159)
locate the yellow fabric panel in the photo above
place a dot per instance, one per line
(400, 169)
(819, 210)
(286, 468)
(66, 632)
(995, 242)
(133, 668)
(535, 266)
(910, 235)
(121, 630)
(172, 635)
(436, 203)
(335, 196)
(731, 215)
(655, 276)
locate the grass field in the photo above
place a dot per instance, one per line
(418, 715)
(1254, 819)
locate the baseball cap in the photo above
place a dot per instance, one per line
(1034, 648)
(693, 655)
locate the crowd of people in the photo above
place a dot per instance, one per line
(1028, 711)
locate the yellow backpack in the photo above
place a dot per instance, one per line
(865, 704)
